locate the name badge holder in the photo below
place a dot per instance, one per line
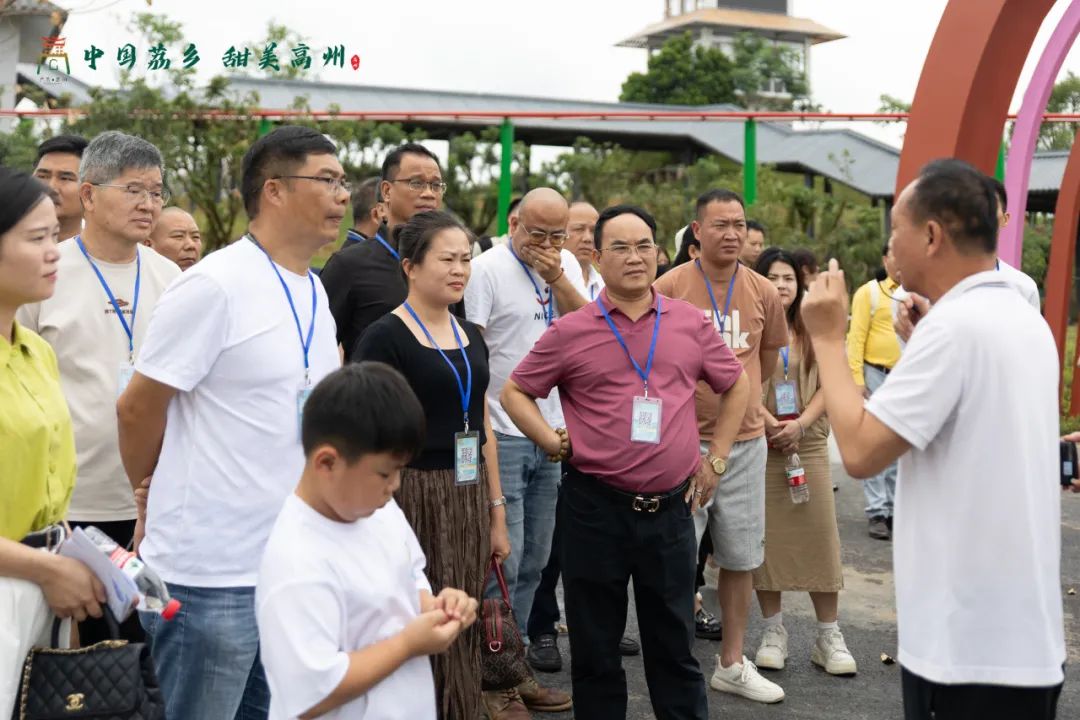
(720, 320)
(126, 370)
(466, 443)
(305, 343)
(787, 403)
(647, 413)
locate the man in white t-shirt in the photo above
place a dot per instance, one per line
(96, 322)
(971, 412)
(580, 242)
(213, 413)
(516, 291)
(346, 617)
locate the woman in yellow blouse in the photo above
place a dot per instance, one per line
(37, 446)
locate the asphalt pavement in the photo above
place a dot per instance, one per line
(868, 621)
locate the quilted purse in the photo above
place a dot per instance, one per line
(503, 652)
(110, 680)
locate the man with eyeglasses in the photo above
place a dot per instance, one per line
(626, 367)
(515, 293)
(58, 167)
(364, 281)
(108, 283)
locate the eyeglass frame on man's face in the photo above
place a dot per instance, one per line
(136, 194)
(623, 250)
(330, 183)
(417, 185)
(538, 237)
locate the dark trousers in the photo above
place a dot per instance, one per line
(94, 630)
(926, 700)
(545, 608)
(606, 543)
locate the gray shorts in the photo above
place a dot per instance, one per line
(735, 516)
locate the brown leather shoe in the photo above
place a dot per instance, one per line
(543, 699)
(505, 705)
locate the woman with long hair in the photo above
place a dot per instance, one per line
(450, 493)
(37, 444)
(802, 543)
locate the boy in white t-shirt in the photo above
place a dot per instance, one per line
(346, 617)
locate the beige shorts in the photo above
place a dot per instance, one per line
(735, 517)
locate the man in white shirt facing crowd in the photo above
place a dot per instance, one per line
(581, 242)
(97, 320)
(974, 423)
(213, 414)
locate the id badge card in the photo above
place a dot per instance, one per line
(786, 402)
(645, 422)
(302, 396)
(124, 376)
(466, 458)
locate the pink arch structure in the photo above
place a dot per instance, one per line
(1026, 130)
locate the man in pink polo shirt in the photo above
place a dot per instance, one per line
(626, 366)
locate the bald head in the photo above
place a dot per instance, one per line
(541, 221)
(177, 237)
(579, 241)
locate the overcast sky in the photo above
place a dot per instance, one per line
(550, 48)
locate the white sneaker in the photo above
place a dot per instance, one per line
(745, 680)
(830, 652)
(773, 651)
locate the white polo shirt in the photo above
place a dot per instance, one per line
(224, 336)
(501, 300)
(977, 535)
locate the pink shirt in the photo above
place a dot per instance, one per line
(597, 385)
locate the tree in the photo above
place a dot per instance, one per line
(1064, 98)
(682, 74)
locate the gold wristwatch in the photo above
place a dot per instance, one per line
(719, 465)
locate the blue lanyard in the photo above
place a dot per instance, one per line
(997, 265)
(549, 310)
(784, 354)
(392, 251)
(592, 292)
(644, 375)
(721, 319)
(304, 344)
(129, 330)
(466, 389)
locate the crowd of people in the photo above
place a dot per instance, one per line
(331, 471)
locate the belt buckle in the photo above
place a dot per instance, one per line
(643, 504)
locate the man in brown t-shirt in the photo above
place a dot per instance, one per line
(746, 310)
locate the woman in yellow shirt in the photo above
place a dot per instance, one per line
(37, 446)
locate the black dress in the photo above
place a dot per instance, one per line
(451, 522)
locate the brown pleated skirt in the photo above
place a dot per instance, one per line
(453, 526)
(802, 542)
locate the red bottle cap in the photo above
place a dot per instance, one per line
(171, 608)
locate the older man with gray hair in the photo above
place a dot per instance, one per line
(108, 283)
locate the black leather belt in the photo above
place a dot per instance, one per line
(48, 539)
(879, 368)
(644, 502)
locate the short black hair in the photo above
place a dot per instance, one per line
(364, 409)
(999, 191)
(755, 225)
(615, 211)
(392, 163)
(67, 144)
(804, 258)
(717, 195)
(278, 153)
(413, 238)
(364, 197)
(957, 195)
(514, 205)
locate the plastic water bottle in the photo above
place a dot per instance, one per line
(155, 595)
(796, 480)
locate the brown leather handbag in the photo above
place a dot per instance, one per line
(503, 651)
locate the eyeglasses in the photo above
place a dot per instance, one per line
(538, 236)
(622, 250)
(332, 184)
(136, 193)
(417, 185)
